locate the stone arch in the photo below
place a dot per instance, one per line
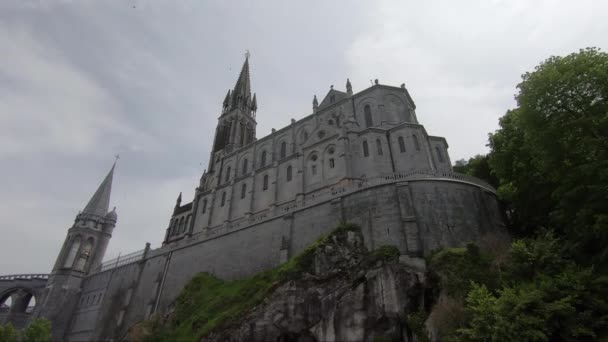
(17, 300)
(73, 252)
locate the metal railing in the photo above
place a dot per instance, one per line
(121, 260)
(25, 276)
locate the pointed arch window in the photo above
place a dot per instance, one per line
(204, 206)
(365, 149)
(416, 143)
(439, 154)
(331, 163)
(289, 173)
(283, 149)
(401, 144)
(69, 260)
(265, 183)
(227, 174)
(223, 199)
(181, 226)
(188, 219)
(245, 165)
(379, 146)
(263, 159)
(367, 110)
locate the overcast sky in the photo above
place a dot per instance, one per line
(83, 80)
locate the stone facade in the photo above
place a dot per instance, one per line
(359, 157)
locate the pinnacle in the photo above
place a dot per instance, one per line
(100, 202)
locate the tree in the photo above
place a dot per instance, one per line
(39, 330)
(477, 166)
(551, 152)
(8, 333)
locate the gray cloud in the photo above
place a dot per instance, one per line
(83, 80)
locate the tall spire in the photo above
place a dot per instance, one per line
(100, 202)
(349, 88)
(242, 89)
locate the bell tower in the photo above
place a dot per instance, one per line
(236, 125)
(82, 252)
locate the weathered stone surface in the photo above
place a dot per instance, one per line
(343, 298)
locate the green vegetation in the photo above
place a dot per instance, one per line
(209, 304)
(459, 267)
(39, 330)
(549, 161)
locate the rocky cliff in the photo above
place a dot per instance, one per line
(336, 290)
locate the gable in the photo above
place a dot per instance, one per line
(333, 96)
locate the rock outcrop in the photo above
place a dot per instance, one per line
(347, 294)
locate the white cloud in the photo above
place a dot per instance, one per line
(461, 61)
(46, 104)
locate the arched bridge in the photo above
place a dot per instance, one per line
(18, 297)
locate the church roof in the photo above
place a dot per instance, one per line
(100, 202)
(333, 96)
(242, 88)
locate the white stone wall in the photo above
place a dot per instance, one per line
(322, 149)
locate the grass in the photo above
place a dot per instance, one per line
(209, 304)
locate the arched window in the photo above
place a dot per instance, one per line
(265, 184)
(85, 253)
(245, 162)
(243, 132)
(223, 199)
(181, 226)
(69, 260)
(439, 154)
(227, 174)
(365, 149)
(263, 159)
(289, 171)
(416, 143)
(313, 169)
(188, 219)
(243, 190)
(204, 206)
(283, 150)
(331, 163)
(401, 144)
(379, 146)
(368, 116)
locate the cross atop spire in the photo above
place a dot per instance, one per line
(99, 204)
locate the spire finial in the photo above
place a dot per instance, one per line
(247, 54)
(315, 104)
(349, 87)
